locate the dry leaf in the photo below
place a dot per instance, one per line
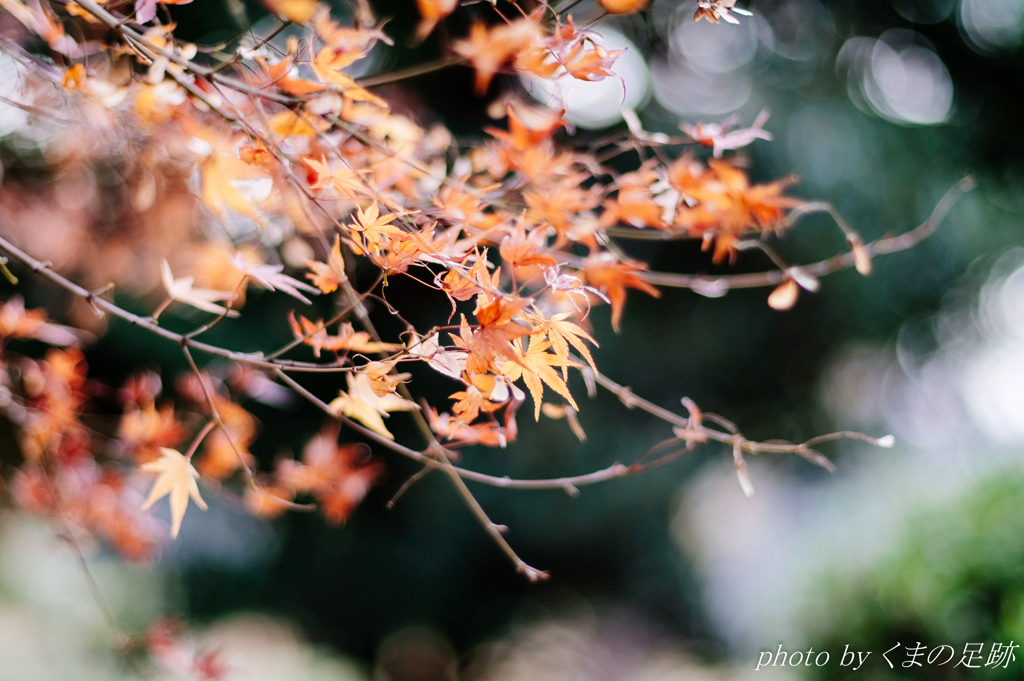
(784, 297)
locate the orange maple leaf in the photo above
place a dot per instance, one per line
(432, 12)
(315, 336)
(491, 49)
(522, 250)
(606, 273)
(329, 275)
(725, 204)
(338, 476)
(634, 204)
(592, 64)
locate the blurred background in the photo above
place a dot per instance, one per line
(879, 106)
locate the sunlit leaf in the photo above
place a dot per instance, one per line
(176, 479)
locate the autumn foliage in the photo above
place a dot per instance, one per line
(267, 166)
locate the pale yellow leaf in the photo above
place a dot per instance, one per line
(177, 478)
(183, 291)
(363, 405)
(534, 366)
(784, 297)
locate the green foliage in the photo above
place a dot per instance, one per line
(956, 576)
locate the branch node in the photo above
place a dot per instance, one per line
(531, 573)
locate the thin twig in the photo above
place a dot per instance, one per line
(215, 413)
(411, 72)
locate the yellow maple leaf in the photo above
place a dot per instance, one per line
(362, 404)
(534, 366)
(327, 66)
(562, 334)
(177, 478)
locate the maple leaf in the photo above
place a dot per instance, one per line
(443, 361)
(721, 203)
(468, 404)
(607, 274)
(226, 448)
(200, 298)
(489, 433)
(294, 124)
(176, 478)
(522, 250)
(562, 334)
(530, 150)
(521, 137)
(497, 329)
(339, 476)
(270, 276)
(571, 287)
(145, 11)
(486, 392)
(327, 66)
(329, 275)
(351, 38)
(282, 75)
(211, 266)
(144, 430)
(17, 322)
(345, 180)
(590, 65)
(635, 202)
(459, 287)
(315, 336)
(268, 501)
(362, 404)
(319, 175)
(534, 366)
(721, 138)
(432, 12)
(382, 382)
(560, 205)
(490, 49)
(226, 178)
(375, 230)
